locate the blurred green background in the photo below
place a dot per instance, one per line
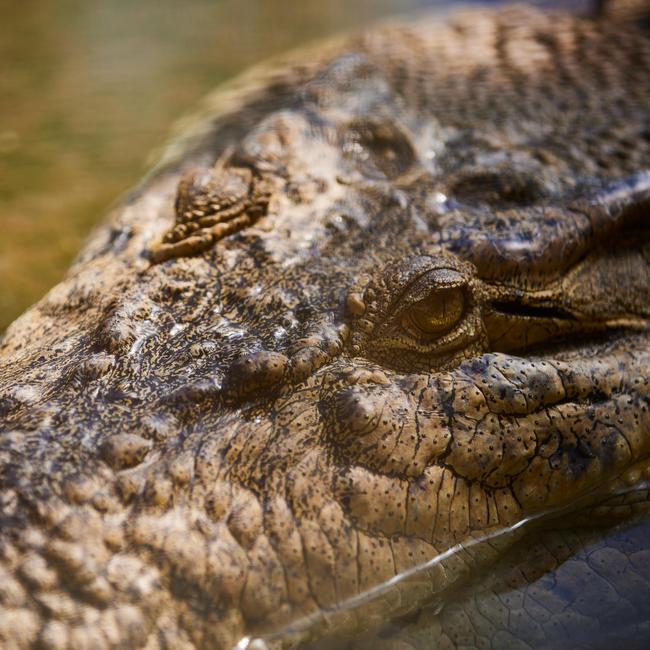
(89, 87)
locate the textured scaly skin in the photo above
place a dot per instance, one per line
(429, 322)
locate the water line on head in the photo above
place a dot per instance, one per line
(305, 623)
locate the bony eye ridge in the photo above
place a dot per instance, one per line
(436, 314)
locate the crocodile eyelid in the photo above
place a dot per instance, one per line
(419, 308)
(438, 279)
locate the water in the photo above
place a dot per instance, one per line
(537, 582)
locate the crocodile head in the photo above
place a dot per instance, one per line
(401, 304)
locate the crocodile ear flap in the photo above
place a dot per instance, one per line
(617, 209)
(622, 204)
(556, 237)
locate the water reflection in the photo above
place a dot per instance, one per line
(561, 588)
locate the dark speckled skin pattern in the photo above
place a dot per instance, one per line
(389, 296)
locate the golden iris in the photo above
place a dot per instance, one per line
(437, 313)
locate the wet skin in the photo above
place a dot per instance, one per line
(389, 298)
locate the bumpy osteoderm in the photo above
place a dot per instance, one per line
(388, 299)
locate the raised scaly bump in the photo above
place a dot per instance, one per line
(255, 373)
(124, 450)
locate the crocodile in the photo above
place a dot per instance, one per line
(370, 347)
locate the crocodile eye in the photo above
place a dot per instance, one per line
(436, 314)
(422, 313)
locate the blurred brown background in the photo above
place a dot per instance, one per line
(89, 87)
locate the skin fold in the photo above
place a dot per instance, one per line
(383, 311)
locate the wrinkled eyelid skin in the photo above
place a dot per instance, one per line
(430, 282)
